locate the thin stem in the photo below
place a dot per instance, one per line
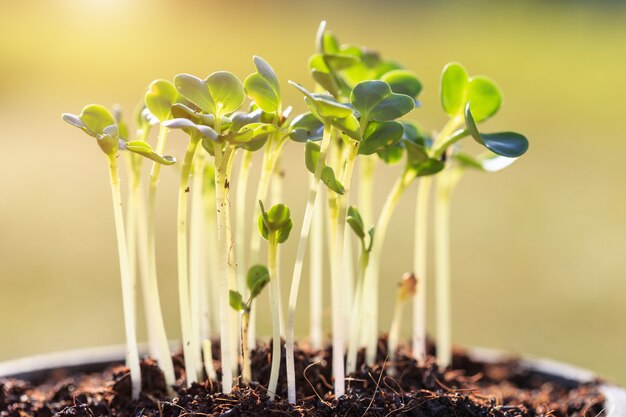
(357, 313)
(197, 291)
(337, 289)
(191, 346)
(222, 163)
(246, 368)
(367, 166)
(164, 358)
(297, 270)
(132, 353)
(317, 277)
(420, 268)
(372, 274)
(274, 300)
(394, 334)
(240, 220)
(212, 310)
(276, 197)
(446, 182)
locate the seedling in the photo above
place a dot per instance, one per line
(258, 277)
(357, 324)
(275, 226)
(99, 123)
(406, 291)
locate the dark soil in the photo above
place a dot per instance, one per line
(469, 389)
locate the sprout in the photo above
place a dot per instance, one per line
(275, 226)
(406, 291)
(258, 277)
(99, 123)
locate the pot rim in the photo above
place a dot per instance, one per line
(24, 367)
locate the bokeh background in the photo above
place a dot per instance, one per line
(539, 250)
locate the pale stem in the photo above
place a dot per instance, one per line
(357, 313)
(276, 197)
(348, 280)
(317, 275)
(274, 301)
(197, 293)
(132, 353)
(240, 221)
(446, 182)
(190, 344)
(420, 268)
(367, 165)
(297, 269)
(223, 244)
(338, 293)
(394, 335)
(164, 358)
(211, 309)
(208, 359)
(372, 274)
(246, 368)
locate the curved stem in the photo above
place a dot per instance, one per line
(420, 268)
(297, 269)
(394, 334)
(357, 313)
(191, 345)
(132, 353)
(246, 367)
(372, 274)
(274, 301)
(164, 358)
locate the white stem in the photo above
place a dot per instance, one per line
(164, 358)
(420, 268)
(317, 275)
(276, 197)
(373, 272)
(191, 346)
(212, 308)
(240, 221)
(274, 301)
(446, 182)
(132, 353)
(356, 318)
(297, 269)
(367, 165)
(197, 293)
(223, 244)
(394, 334)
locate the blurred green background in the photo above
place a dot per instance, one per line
(539, 250)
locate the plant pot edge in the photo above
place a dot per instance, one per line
(30, 365)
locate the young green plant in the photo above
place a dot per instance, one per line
(275, 226)
(406, 291)
(258, 277)
(99, 123)
(355, 221)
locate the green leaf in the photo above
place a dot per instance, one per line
(98, 122)
(485, 97)
(160, 98)
(326, 80)
(306, 127)
(254, 144)
(355, 221)
(220, 92)
(391, 154)
(311, 156)
(487, 161)
(325, 106)
(457, 88)
(329, 179)
(332, 62)
(454, 80)
(413, 133)
(276, 220)
(509, 144)
(375, 101)
(419, 162)
(348, 126)
(253, 131)
(403, 82)
(263, 87)
(257, 278)
(144, 149)
(191, 128)
(236, 301)
(379, 135)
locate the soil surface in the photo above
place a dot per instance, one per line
(469, 389)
